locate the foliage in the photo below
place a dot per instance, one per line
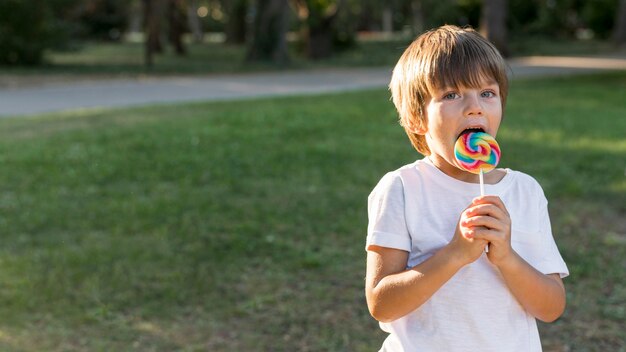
(104, 19)
(326, 27)
(240, 226)
(368, 13)
(599, 16)
(344, 33)
(565, 18)
(268, 41)
(27, 28)
(218, 13)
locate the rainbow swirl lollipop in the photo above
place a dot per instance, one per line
(476, 152)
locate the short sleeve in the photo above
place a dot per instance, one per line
(552, 262)
(386, 214)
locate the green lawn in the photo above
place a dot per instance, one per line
(126, 58)
(240, 226)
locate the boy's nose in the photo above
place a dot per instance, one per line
(472, 105)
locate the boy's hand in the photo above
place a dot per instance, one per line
(487, 219)
(465, 246)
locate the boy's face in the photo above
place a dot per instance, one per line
(451, 111)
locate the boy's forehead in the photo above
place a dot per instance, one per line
(465, 81)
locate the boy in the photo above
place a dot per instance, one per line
(430, 282)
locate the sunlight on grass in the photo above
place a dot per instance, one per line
(7, 339)
(150, 328)
(620, 186)
(559, 140)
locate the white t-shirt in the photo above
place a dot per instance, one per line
(416, 209)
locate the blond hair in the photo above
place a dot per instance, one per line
(448, 56)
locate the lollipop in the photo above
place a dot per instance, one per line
(477, 152)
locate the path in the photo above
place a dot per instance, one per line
(134, 92)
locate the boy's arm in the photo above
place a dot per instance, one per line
(543, 296)
(392, 291)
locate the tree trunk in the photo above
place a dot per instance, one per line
(320, 31)
(136, 18)
(493, 24)
(194, 22)
(236, 25)
(387, 19)
(417, 13)
(176, 25)
(269, 37)
(153, 13)
(619, 31)
(320, 41)
(366, 21)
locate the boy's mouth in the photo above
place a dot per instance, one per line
(469, 130)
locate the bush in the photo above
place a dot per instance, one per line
(28, 28)
(104, 19)
(562, 18)
(599, 16)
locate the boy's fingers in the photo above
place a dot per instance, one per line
(484, 221)
(485, 234)
(495, 200)
(488, 199)
(486, 209)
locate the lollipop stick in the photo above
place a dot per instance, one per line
(482, 183)
(482, 194)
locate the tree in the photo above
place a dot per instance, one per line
(366, 18)
(319, 18)
(417, 16)
(493, 24)
(619, 31)
(104, 19)
(269, 32)
(154, 11)
(194, 21)
(28, 28)
(387, 18)
(236, 23)
(176, 20)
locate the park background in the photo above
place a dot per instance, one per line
(240, 226)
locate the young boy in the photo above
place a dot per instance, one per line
(430, 282)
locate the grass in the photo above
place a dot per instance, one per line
(549, 46)
(126, 58)
(240, 226)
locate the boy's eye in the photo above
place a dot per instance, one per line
(450, 95)
(488, 94)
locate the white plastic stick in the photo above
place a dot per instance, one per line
(482, 183)
(482, 194)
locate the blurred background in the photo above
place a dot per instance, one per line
(200, 36)
(239, 225)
